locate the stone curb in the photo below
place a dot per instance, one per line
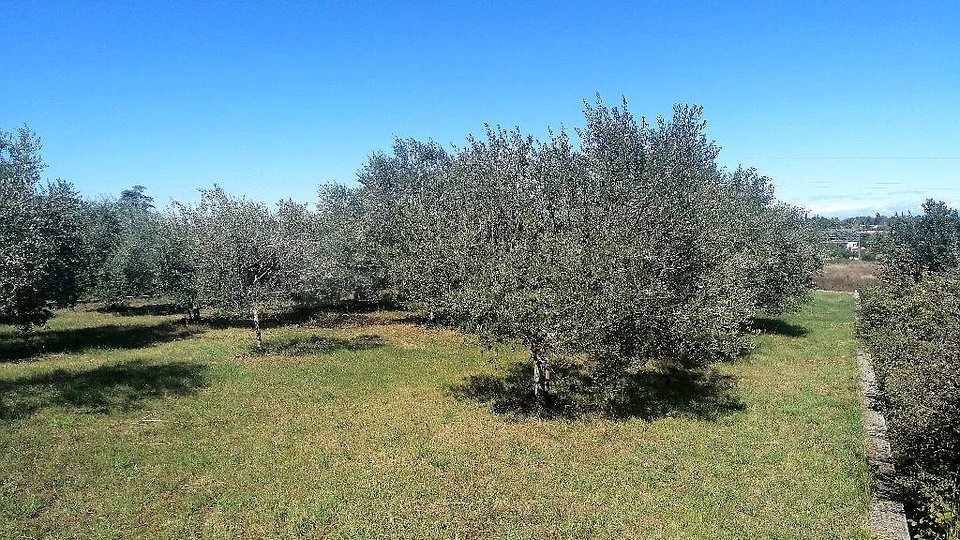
(887, 518)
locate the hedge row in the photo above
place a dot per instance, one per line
(911, 325)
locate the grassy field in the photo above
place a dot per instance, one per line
(364, 426)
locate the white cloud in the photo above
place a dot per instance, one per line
(841, 206)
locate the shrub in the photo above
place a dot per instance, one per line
(911, 324)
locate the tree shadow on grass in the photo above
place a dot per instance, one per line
(102, 390)
(650, 394)
(143, 310)
(16, 347)
(310, 312)
(337, 319)
(324, 320)
(778, 327)
(313, 345)
(346, 315)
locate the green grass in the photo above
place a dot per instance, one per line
(129, 426)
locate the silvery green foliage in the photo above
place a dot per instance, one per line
(634, 248)
(919, 245)
(40, 240)
(248, 257)
(911, 326)
(784, 246)
(344, 262)
(294, 234)
(101, 231)
(400, 210)
(178, 258)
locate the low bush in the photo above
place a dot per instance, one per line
(911, 324)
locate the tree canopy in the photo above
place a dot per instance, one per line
(633, 248)
(627, 248)
(40, 236)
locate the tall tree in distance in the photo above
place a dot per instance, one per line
(136, 196)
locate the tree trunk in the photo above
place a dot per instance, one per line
(541, 379)
(256, 327)
(193, 311)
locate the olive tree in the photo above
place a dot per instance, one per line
(671, 284)
(682, 254)
(918, 245)
(40, 237)
(345, 262)
(439, 225)
(505, 259)
(178, 255)
(402, 210)
(783, 247)
(626, 251)
(248, 256)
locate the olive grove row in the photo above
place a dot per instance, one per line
(628, 247)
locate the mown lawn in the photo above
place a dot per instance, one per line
(131, 426)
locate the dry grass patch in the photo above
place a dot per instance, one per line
(847, 276)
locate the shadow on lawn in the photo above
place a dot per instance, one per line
(316, 345)
(110, 388)
(778, 327)
(144, 310)
(703, 394)
(16, 347)
(339, 319)
(347, 315)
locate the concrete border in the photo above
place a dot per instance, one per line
(887, 518)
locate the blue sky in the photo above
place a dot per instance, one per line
(850, 107)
